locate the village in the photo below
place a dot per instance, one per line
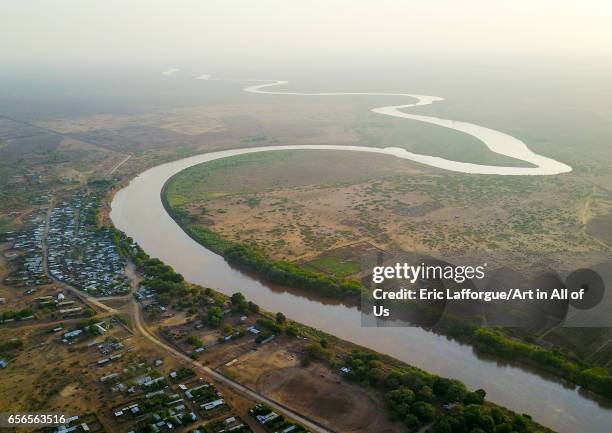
(26, 255)
(77, 252)
(57, 265)
(146, 392)
(81, 254)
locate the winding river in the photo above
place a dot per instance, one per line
(137, 210)
(496, 141)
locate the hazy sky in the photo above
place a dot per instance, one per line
(58, 32)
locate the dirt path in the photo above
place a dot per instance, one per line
(584, 219)
(584, 212)
(116, 167)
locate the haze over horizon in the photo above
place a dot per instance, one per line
(72, 33)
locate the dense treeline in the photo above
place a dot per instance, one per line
(596, 379)
(159, 277)
(419, 399)
(153, 269)
(578, 371)
(128, 248)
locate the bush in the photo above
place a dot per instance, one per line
(316, 351)
(292, 331)
(269, 325)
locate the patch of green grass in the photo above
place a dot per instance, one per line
(336, 266)
(176, 200)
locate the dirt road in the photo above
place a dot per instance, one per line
(313, 426)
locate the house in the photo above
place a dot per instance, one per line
(212, 404)
(70, 311)
(109, 377)
(267, 340)
(153, 381)
(262, 419)
(65, 303)
(73, 334)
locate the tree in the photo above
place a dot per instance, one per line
(411, 421)
(443, 426)
(280, 318)
(194, 340)
(253, 307)
(498, 415)
(393, 380)
(425, 394)
(424, 411)
(269, 325)
(214, 317)
(504, 428)
(238, 298)
(476, 397)
(315, 351)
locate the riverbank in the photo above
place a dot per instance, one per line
(578, 371)
(418, 399)
(138, 211)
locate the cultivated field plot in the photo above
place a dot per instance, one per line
(349, 260)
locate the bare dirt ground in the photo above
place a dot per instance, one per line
(275, 371)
